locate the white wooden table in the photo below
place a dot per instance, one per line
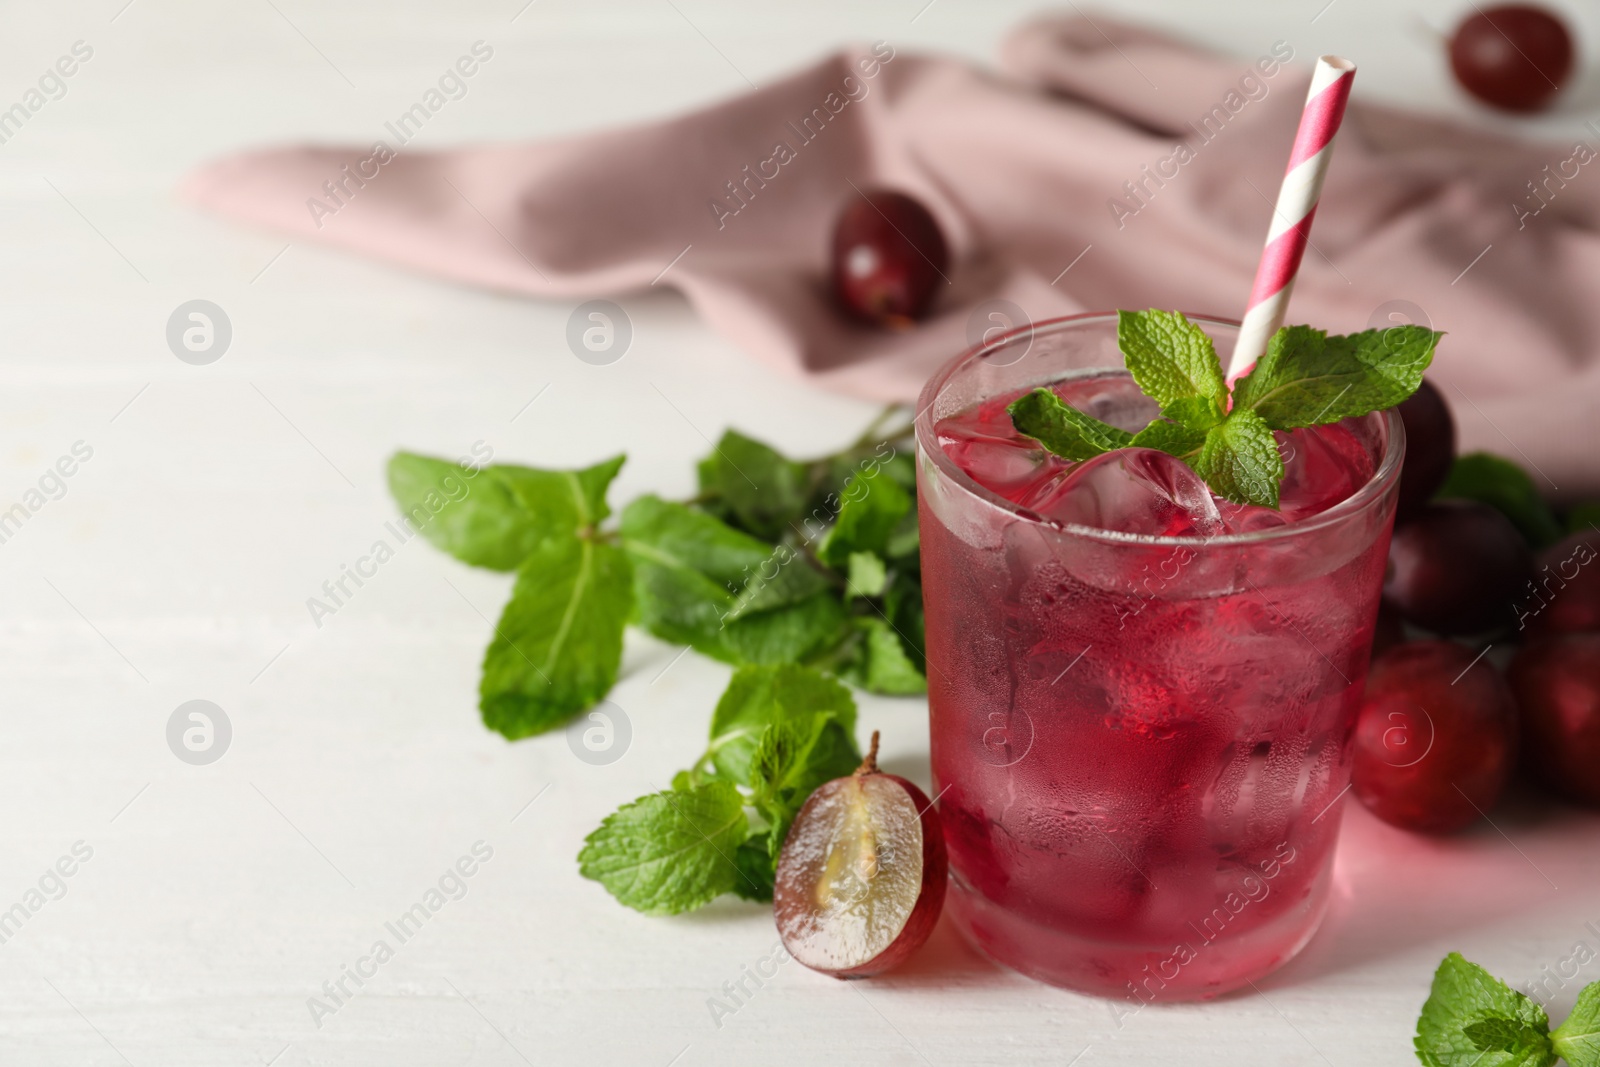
(178, 559)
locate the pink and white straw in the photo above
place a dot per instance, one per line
(1296, 206)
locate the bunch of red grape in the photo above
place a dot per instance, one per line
(1441, 731)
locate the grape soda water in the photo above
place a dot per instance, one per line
(1141, 695)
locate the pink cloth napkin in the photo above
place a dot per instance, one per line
(1103, 166)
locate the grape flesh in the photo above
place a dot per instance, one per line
(861, 878)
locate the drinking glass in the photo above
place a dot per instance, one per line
(1140, 744)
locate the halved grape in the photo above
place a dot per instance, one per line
(861, 877)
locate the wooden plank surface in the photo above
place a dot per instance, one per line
(175, 564)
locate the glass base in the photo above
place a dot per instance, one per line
(1195, 969)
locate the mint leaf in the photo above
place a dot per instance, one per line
(784, 578)
(867, 575)
(496, 516)
(899, 466)
(882, 664)
(757, 863)
(1502, 484)
(1064, 430)
(468, 513)
(764, 492)
(1240, 460)
(786, 635)
(1307, 378)
(1194, 413)
(872, 506)
(558, 643)
(758, 697)
(1578, 1039)
(687, 565)
(1174, 362)
(680, 537)
(905, 540)
(1584, 517)
(833, 474)
(678, 604)
(903, 605)
(1524, 1043)
(1171, 438)
(794, 756)
(669, 852)
(1472, 1019)
(561, 501)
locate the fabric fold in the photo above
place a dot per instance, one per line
(1101, 166)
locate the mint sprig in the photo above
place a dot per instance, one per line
(760, 697)
(1578, 1039)
(774, 561)
(778, 733)
(1306, 378)
(799, 573)
(1472, 1019)
(669, 852)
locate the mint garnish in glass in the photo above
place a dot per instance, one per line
(1306, 378)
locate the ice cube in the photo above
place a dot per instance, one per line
(1322, 465)
(1010, 466)
(1131, 490)
(1250, 518)
(1115, 399)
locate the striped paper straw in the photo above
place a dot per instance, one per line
(1296, 206)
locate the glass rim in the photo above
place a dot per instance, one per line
(928, 444)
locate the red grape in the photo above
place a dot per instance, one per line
(1564, 596)
(861, 877)
(1387, 632)
(1458, 567)
(1430, 448)
(1435, 739)
(1515, 57)
(1557, 685)
(888, 258)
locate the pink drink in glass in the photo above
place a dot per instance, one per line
(1141, 697)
